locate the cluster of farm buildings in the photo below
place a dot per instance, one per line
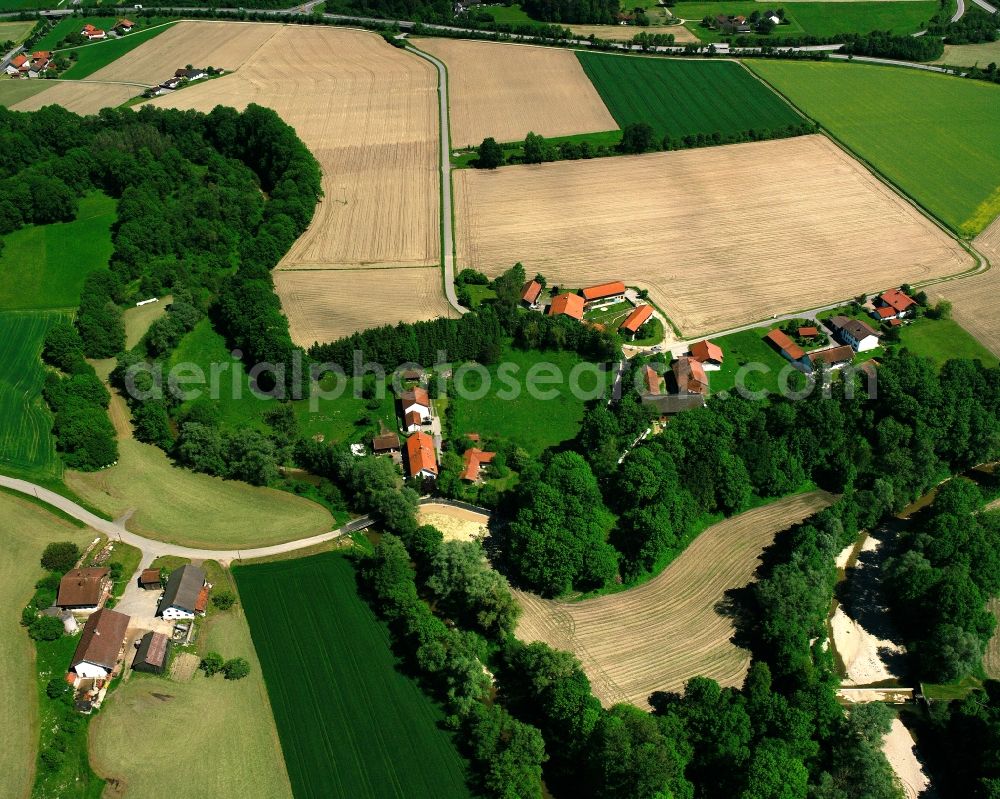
(109, 636)
(40, 62)
(576, 304)
(180, 78)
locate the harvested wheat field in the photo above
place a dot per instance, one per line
(974, 298)
(327, 304)
(720, 236)
(219, 44)
(657, 636)
(368, 112)
(509, 90)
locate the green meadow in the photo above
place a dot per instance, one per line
(932, 135)
(680, 98)
(942, 340)
(352, 726)
(44, 266)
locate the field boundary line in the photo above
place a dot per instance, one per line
(119, 38)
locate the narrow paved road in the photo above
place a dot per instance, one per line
(894, 63)
(448, 234)
(959, 12)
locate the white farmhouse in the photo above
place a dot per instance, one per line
(858, 334)
(100, 645)
(416, 400)
(185, 595)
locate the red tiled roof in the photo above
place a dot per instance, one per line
(88, 27)
(82, 587)
(416, 395)
(150, 576)
(472, 436)
(420, 454)
(124, 23)
(531, 291)
(690, 376)
(102, 639)
(785, 344)
(706, 350)
(895, 322)
(413, 417)
(886, 311)
(603, 290)
(808, 332)
(834, 355)
(897, 299)
(474, 458)
(637, 318)
(569, 304)
(652, 380)
(42, 54)
(202, 602)
(18, 61)
(388, 441)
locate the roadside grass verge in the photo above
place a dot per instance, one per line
(534, 422)
(684, 98)
(44, 266)
(932, 135)
(351, 724)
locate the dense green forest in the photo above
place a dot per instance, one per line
(192, 220)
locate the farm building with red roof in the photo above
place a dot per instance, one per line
(530, 293)
(474, 460)
(603, 292)
(421, 457)
(570, 305)
(708, 354)
(637, 319)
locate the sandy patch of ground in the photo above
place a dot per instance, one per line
(325, 305)
(183, 667)
(200, 43)
(974, 298)
(720, 236)
(658, 635)
(509, 90)
(456, 524)
(899, 748)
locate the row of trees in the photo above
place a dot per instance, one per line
(76, 395)
(597, 12)
(946, 568)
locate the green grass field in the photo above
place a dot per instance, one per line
(970, 55)
(13, 91)
(15, 31)
(820, 18)
(238, 753)
(334, 419)
(70, 25)
(933, 135)
(26, 530)
(93, 56)
(740, 349)
(531, 422)
(44, 266)
(680, 98)
(351, 725)
(943, 339)
(26, 443)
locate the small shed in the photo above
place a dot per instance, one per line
(151, 654)
(150, 579)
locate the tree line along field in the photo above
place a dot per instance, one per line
(509, 90)
(26, 443)
(658, 635)
(679, 98)
(932, 135)
(351, 724)
(807, 225)
(44, 266)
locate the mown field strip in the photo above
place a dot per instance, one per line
(660, 634)
(351, 724)
(25, 422)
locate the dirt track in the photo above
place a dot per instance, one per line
(721, 236)
(658, 635)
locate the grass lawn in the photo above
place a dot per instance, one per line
(27, 528)
(933, 135)
(180, 506)
(339, 419)
(70, 25)
(941, 340)
(26, 442)
(351, 725)
(513, 14)
(237, 756)
(44, 266)
(479, 293)
(95, 55)
(13, 91)
(530, 421)
(612, 315)
(129, 557)
(948, 691)
(138, 319)
(680, 98)
(740, 349)
(654, 335)
(15, 31)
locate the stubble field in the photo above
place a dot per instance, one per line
(660, 634)
(324, 305)
(509, 90)
(218, 44)
(975, 298)
(804, 225)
